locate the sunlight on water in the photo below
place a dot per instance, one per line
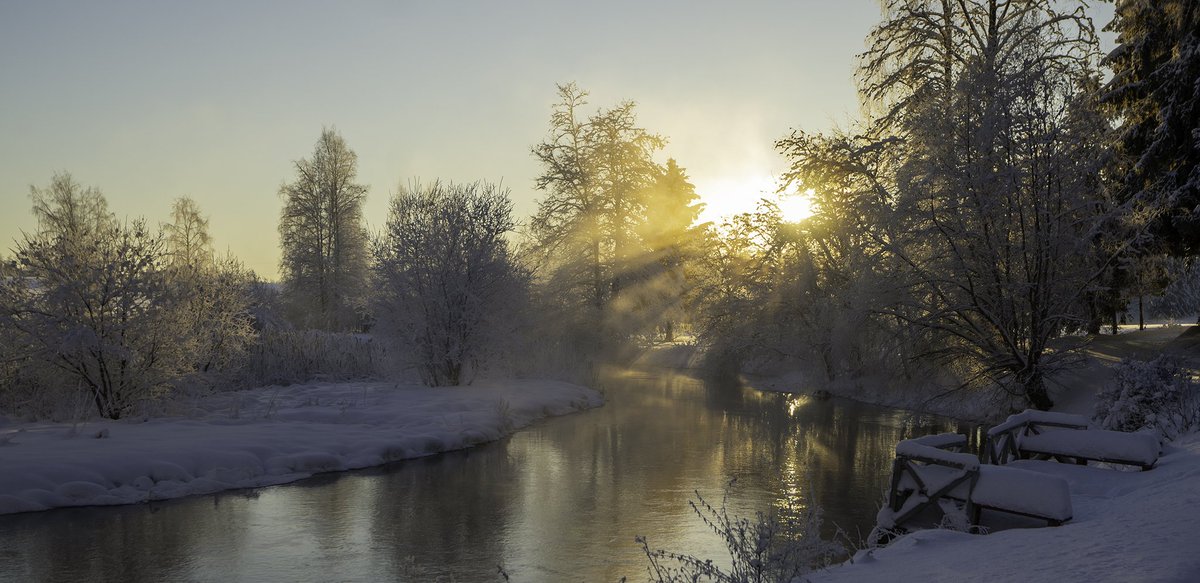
(561, 500)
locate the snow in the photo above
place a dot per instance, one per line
(942, 440)
(1126, 526)
(1018, 490)
(262, 437)
(916, 449)
(1138, 448)
(1039, 417)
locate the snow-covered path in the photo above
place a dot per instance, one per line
(261, 437)
(1128, 526)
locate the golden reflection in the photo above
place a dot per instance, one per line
(795, 402)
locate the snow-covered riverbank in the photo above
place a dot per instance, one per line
(1128, 526)
(260, 437)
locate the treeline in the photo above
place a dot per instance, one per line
(995, 200)
(113, 315)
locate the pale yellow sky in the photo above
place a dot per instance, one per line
(154, 100)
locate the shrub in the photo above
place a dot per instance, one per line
(1156, 395)
(281, 357)
(447, 286)
(766, 549)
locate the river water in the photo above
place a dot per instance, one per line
(559, 501)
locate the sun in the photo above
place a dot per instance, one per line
(796, 206)
(726, 196)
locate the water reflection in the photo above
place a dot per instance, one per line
(560, 501)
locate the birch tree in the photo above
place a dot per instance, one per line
(212, 294)
(323, 239)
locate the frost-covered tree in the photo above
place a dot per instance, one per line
(1152, 96)
(188, 243)
(91, 296)
(1181, 296)
(595, 170)
(214, 314)
(843, 298)
(446, 287)
(978, 178)
(672, 242)
(323, 239)
(213, 294)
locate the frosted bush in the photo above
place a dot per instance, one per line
(1157, 395)
(766, 549)
(296, 356)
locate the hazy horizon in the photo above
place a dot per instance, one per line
(150, 101)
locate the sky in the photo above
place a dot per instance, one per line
(154, 100)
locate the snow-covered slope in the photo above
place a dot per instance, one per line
(263, 436)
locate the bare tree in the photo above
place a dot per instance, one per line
(447, 286)
(324, 242)
(188, 242)
(91, 296)
(212, 294)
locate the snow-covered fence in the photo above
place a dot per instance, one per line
(933, 468)
(1066, 438)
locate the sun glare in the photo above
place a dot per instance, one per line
(724, 198)
(729, 196)
(796, 206)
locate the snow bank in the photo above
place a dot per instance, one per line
(262, 437)
(1126, 526)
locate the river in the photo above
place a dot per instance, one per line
(559, 501)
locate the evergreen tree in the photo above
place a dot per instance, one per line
(672, 240)
(1154, 97)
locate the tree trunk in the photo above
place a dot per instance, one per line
(1141, 313)
(1036, 394)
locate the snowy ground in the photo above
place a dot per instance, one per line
(1127, 525)
(261, 437)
